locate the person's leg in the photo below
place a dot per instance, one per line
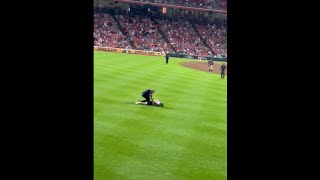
(147, 98)
(144, 103)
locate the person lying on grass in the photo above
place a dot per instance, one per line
(155, 102)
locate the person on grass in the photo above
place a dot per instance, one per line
(147, 94)
(155, 102)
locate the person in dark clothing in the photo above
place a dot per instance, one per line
(167, 57)
(223, 68)
(147, 94)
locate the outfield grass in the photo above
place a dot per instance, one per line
(186, 139)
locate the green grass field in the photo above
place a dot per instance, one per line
(186, 139)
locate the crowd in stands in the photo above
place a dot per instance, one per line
(173, 35)
(215, 37)
(221, 4)
(183, 38)
(208, 4)
(143, 32)
(107, 34)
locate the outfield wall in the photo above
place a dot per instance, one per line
(152, 53)
(128, 51)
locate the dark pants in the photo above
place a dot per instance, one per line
(167, 60)
(147, 99)
(222, 74)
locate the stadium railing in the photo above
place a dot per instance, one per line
(128, 51)
(152, 53)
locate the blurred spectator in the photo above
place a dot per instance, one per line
(143, 33)
(208, 4)
(106, 33)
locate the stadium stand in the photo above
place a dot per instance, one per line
(107, 34)
(181, 35)
(146, 34)
(143, 32)
(208, 4)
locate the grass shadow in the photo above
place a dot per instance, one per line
(133, 103)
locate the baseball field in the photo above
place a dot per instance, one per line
(185, 139)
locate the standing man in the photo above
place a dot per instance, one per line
(199, 57)
(210, 64)
(147, 94)
(167, 57)
(223, 68)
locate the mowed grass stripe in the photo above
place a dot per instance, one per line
(163, 155)
(146, 130)
(195, 114)
(194, 142)
(134, 79)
